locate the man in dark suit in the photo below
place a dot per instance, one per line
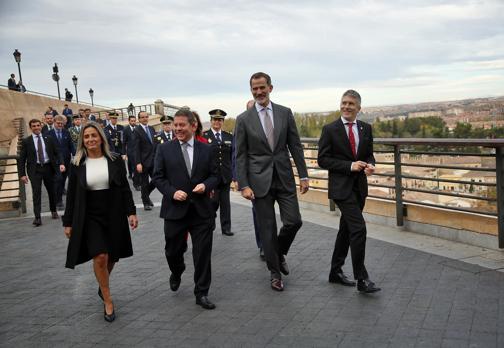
(222, 146)
(346, 151)
(68, 113)
(64, 144)
(68, 95)
(39, 158)
(264, 135)
(129, 147)
(49, 123)
(185, 174)
(145, 148)
(114, 133)
(166, 133)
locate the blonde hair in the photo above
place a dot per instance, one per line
(81, 149)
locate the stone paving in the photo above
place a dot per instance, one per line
(426, 301)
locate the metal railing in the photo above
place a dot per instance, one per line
(20, 192)
(441, 161)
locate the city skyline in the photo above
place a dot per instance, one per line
(202, 53)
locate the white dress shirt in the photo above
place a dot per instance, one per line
(35, 141)
(261, 111)
(190, 149)
(354, 130)
(97, 175)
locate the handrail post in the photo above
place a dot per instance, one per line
(499, 166)
(398, 186)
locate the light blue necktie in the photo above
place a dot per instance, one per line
(147, 130)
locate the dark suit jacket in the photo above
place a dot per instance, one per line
(170, 175)
(144, 149)
(128, 143)
(255, 160)
(161, 137)
(28, 156)
(222, 153)
(45, 129)
(65, 145)
(335, 155)
(120, 198)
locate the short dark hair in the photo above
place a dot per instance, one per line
(186, 113)
(12, 75)
(131, 116)
(66, 104)
(354, 94)
(33, 120)
(259, 75)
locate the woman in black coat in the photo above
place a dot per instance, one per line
(99, 207)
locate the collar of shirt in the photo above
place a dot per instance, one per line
(215, 132)
(260, 107)
(35, 137)
(345, 121)
(190, 142)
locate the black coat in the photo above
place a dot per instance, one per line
(65, 145)
(115, 138)
(170, 175)
(222, 153)
(144, 148)
(28, 156)
(335, 155)
(128, 142)
(121, 203)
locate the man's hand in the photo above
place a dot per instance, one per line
(200, 188)
(139, 168)
(247, 193)
(358, 166)
(370, 169)
(124, 157)
(179, 195)
(68, 231)
(24, 179)
(133, 221)
(304, 185)
(62, 168)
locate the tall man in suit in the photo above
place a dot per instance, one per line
(222, 145)
(264, 135)
(145, 148)
(185, 174)
(40, 159)
(114, 134)
(64, 144)
(129, 147)
(346, 151)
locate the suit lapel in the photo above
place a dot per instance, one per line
(181, 160)
(196, 152)
(361, 132)
(340, 127)
(277, 123)
(255, 122)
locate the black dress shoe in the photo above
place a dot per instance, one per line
(175, 282)
(227, 233)
(340, 278)
(261, 254)
(37, 221)
(204, 302)
(283, 266)
(100, 294)
(147, 207)
(277, 284)
(108, 317)
(367, 286)
(54, 215)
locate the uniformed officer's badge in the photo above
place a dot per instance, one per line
(160, 139)
(209, 141)
(227, 142)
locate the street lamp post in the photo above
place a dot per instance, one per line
(91, 94)
(56, 78)
(17, 57)
(74, 79)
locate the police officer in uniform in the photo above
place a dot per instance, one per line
(166, 133)
(114, 133)
(221, 143)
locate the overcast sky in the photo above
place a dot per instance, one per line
(202, 53)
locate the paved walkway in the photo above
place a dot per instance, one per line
(427, 300)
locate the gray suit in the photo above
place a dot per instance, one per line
(269, 174)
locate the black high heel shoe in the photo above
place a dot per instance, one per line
(108, 317)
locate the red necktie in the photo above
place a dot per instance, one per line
(351, 137)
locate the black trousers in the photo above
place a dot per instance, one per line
(59, 182)
(43, 174)
(221, 200)
(351, 234)
(147, 186)
(202, 238)
(276, 245)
